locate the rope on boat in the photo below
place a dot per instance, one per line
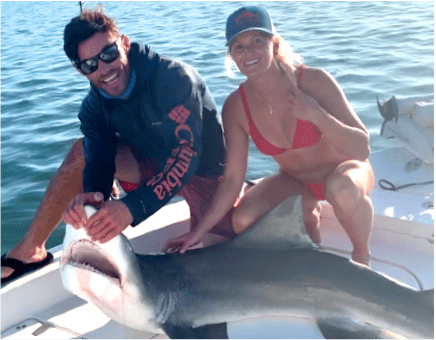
(371, 258)
(386, 185)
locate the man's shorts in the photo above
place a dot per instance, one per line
(199, 193)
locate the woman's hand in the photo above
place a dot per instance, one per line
(302, 105)
(182, 243)
(324, 104)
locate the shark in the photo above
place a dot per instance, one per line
(272, 269)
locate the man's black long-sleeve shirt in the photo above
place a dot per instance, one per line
(170, 116)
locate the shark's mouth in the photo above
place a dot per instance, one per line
(87, 255)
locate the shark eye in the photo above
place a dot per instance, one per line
(86, 253)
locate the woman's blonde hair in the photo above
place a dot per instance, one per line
(285, 56)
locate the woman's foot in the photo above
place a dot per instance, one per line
(314, 234)
(361, 257)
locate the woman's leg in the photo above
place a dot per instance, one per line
(347, 190)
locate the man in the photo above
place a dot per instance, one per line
(148, 121)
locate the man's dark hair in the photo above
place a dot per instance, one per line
(84, 27)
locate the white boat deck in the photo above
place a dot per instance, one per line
(401, 167)
(37, 306)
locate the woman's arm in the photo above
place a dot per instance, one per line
(323, 102)
(233, 177)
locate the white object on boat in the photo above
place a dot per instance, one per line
(412, 124)
(423, 114)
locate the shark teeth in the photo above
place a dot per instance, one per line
(85, 266)
(87, 255)
(89, 267)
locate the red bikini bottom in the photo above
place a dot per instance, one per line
(317, 189)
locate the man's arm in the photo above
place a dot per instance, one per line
(181, 129)
(99, 145)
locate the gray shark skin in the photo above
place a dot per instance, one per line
(347, 328)
(273, 269)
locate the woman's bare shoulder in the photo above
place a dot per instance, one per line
(320, 84)
(233, 99)
(312, 76)
(233, 102)
(233, 110)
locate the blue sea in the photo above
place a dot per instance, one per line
(371, 48)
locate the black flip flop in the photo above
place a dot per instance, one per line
(21, 268)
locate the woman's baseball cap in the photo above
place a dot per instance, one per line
(248, 18)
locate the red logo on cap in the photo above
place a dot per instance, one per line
(246, 15)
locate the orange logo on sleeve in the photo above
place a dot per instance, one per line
(179, 114)
(178, 164)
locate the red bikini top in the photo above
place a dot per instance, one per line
(306, 134)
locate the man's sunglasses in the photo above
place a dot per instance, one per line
(108, 54)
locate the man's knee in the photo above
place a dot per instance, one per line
(75, 157)
(132, 166)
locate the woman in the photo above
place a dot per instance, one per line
(301, 117)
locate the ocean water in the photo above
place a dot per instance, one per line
(371, 48)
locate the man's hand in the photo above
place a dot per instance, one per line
(109, 221)
(75, 214)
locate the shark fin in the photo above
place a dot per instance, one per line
(348, 328)
(217, 331)
(282, 228)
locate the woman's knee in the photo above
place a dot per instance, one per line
(341, 190)
(241, 220)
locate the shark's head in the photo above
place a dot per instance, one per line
(109, 276)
